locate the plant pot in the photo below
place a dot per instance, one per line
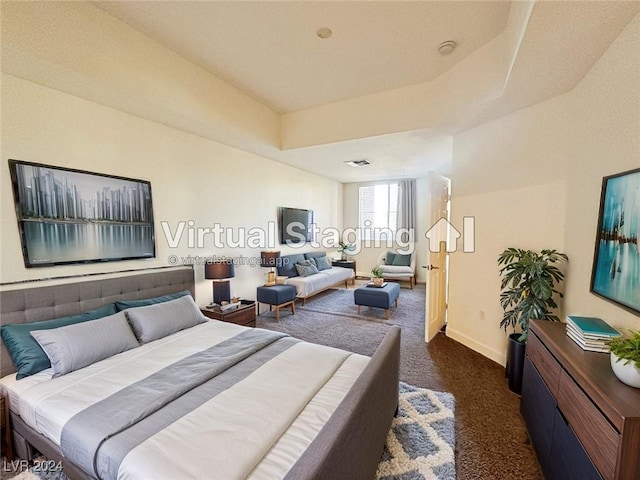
(515, 363)
(377, 281)
(629, 374)
(343, 256)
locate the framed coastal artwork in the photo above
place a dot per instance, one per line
(616, 265)
(73, 216)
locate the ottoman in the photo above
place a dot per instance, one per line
(380, 297)
(277, 296)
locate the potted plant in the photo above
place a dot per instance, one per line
(625, 358)
(377, 278)
(528, 291)
(344, 248)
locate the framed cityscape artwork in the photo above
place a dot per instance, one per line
(72, 216)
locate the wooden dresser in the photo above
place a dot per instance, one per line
(583, 422)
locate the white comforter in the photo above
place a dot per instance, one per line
(255, 429)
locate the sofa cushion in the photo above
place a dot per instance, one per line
(306, 286)
(401, 260)
(287, 266)
(309, 255)
(394, 270)
(306, 268)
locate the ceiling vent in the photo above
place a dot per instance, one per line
(358, 163)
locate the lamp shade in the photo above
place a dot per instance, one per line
(269, 258)
(218, 270)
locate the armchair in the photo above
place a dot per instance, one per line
(399, 271)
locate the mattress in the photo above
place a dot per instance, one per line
(255, 427)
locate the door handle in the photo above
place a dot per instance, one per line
(431, 267)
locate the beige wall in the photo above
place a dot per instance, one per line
(367, 258)
(532, 179)
(192, 178)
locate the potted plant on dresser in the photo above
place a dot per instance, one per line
(528, 291)
(625, 358)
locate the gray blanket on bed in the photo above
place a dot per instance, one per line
(98, 438)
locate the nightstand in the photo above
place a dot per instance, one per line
(5, 427)
(346, 264)
(244, 314)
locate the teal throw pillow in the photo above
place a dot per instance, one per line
(27, 355)
(124, 304)
(389, 257)
(401, 260)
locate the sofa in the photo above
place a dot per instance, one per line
(396, 266)
(306, 280)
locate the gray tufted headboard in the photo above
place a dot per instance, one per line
(28, 305)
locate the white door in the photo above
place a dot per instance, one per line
(440, 242)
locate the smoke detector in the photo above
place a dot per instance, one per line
(445, 48)
(358, 163)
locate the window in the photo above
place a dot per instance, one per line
(378, 210)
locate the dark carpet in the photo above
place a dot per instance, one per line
(491, 439)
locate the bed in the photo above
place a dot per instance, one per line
(244, 403)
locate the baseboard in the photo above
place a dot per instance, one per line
(495, 355)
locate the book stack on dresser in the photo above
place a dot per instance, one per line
(590, 333)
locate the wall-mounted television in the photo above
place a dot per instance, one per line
(72, 216)
(295, 225)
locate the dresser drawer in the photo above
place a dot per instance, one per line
(245, 317)
(598, 437)
(545, 363)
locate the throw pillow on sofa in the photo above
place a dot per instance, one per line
(389, 258)
(401, 260)
(306, 268)
(323, 263)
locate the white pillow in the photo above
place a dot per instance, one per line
(79, 345)
(152, 322)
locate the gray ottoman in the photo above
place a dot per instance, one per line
(380, 297)
(277, 296)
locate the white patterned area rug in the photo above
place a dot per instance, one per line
(421, 443)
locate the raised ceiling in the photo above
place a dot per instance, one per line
(378, 88)
(254, 75)
(270, 50)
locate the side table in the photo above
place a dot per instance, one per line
(346, 264)
(244, 314)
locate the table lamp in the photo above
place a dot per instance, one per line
(220, 272)
(270, 259)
